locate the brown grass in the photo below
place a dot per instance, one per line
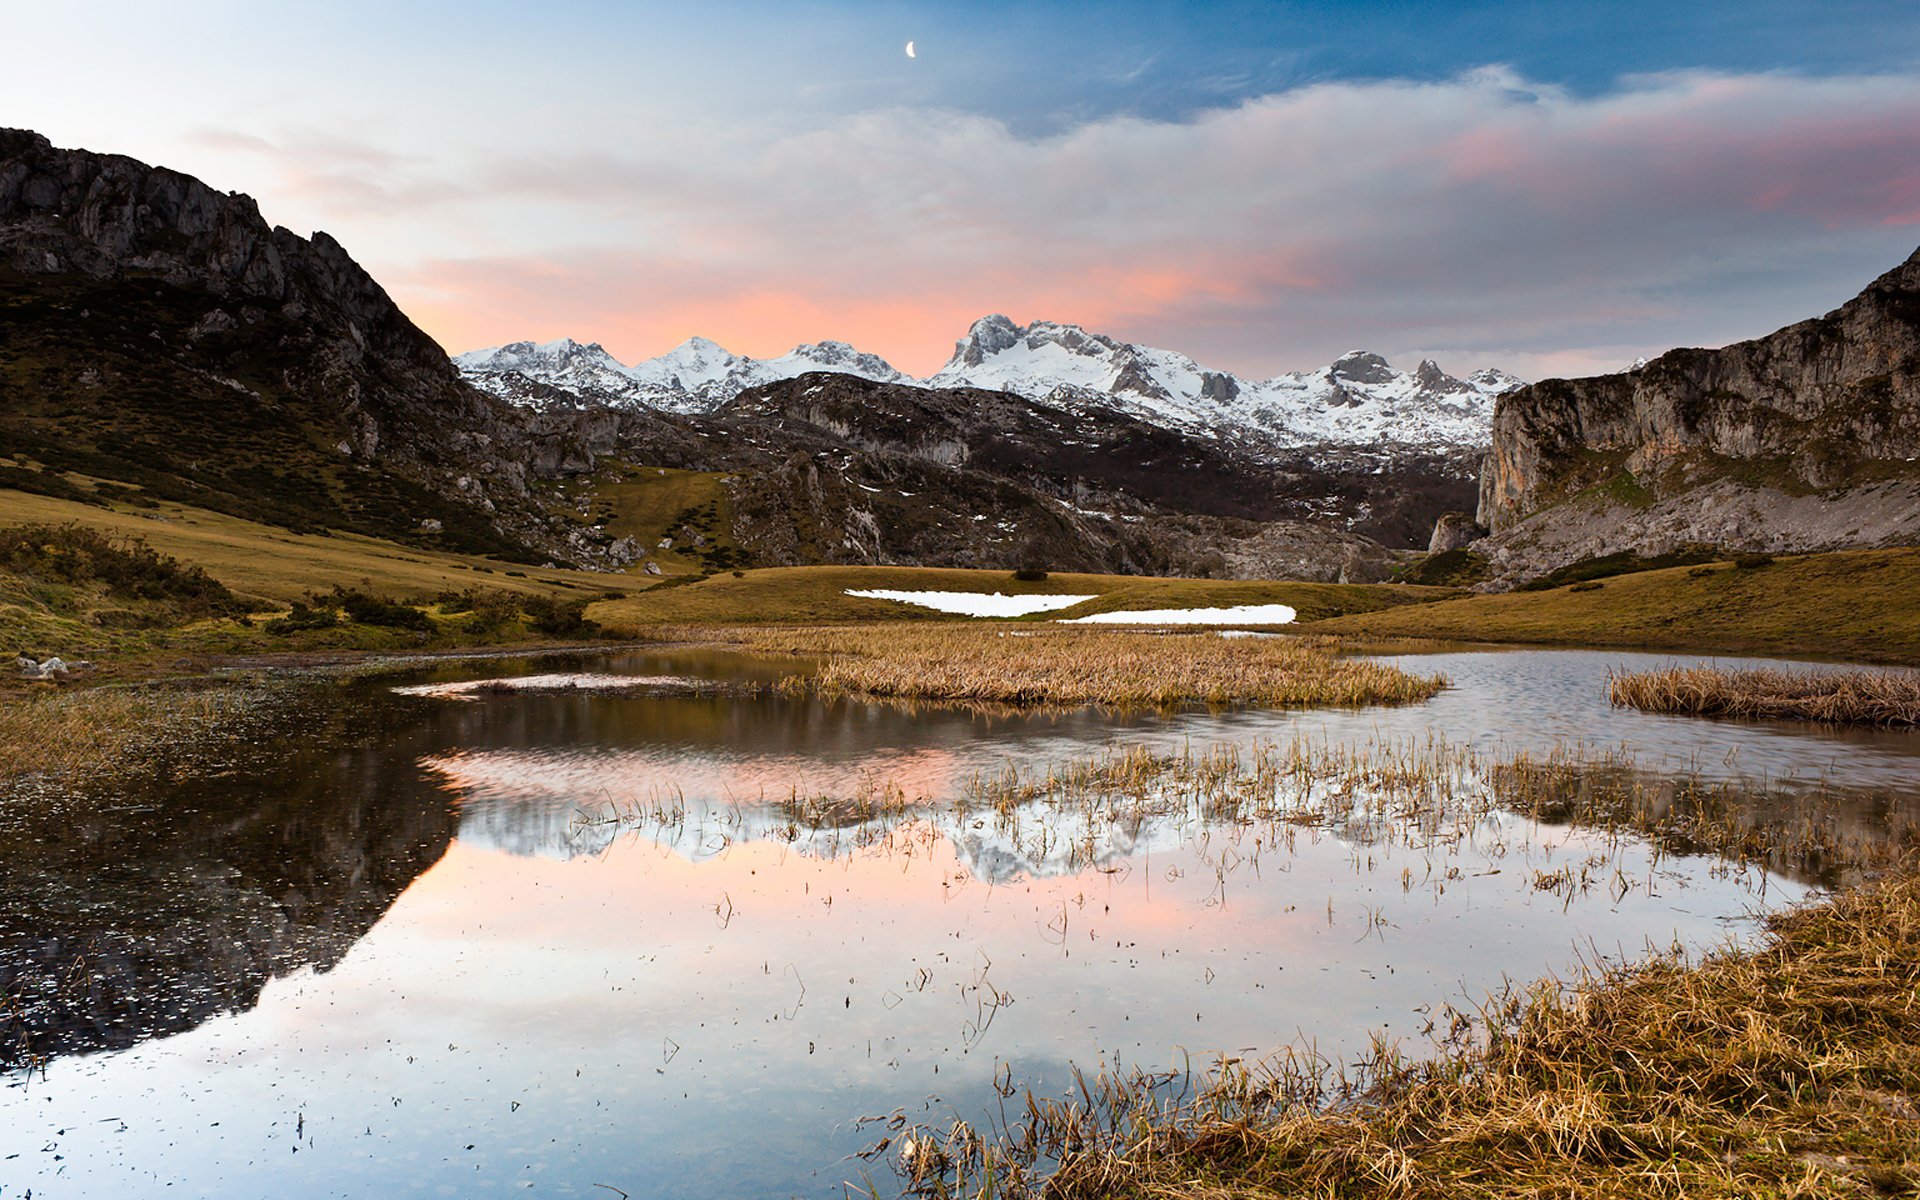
(1026, 665)
(1886, 698)
(1791, 1070)
(68, 733)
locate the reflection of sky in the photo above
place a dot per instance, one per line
(621, 1016)
(621, 1019)
(1557, 188)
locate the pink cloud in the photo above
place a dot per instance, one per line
(1481, 213)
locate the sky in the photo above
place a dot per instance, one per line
(1550, 188)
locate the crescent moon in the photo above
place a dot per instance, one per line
(910, 53)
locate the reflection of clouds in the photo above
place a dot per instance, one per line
(571, 805)
(561, 805)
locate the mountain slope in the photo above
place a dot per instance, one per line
(1806, 439)
(157, 332)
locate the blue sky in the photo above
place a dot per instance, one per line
(1552, 187)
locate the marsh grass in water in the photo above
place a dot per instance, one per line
(100, 729)
(1029, 665)
(1792, 1069)
(1884, 698)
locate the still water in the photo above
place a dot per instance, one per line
(421, 938)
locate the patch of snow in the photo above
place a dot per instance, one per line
(1240, 614)
(975, 604)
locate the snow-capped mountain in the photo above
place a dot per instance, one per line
(1359, 399)
(696, 376)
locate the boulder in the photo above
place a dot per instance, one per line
(1454, 530)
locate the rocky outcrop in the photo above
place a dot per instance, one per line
(1808, 434)
(1454, 530)
(168, 335)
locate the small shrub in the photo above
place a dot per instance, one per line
(318, 615)
(1030, 574)
(127, 568)
(1752, 562)
(493, 613)
(559, 618)
(365, 609)
(452, 602)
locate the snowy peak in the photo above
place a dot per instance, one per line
(1492, 381)
(1358, 399)
(1363, 367)
(698, 375)
(990, 335)
(840, 357)
(564, 354)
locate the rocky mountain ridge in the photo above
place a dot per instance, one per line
(161, 332)
(1360, 400)
(1805, 439)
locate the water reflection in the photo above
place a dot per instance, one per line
(565, 939)
(176, 898)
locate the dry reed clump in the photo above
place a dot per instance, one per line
(1037, 665)
(1792, 1069)
(1886, 698)
(78, 732)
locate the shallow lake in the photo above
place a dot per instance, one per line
(425, 939)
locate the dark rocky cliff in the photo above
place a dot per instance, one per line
(160, 332)
(1806, 439)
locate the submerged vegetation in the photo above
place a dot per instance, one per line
(1025, 664)
(1885, 698)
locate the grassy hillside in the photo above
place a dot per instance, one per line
(273, 564)
(652, 503)
(133, 620)
(1856, 604)
(126, 383)
(817, 594)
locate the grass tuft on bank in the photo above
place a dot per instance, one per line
(1884, 698)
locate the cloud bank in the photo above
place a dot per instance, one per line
(1480, 219)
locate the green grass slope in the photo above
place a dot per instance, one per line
(1854, 604)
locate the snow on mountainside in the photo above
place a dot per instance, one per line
(1358, 400)
(695, 376)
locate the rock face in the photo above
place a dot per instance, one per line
(162, 333)
(1454, 530)
(1806, 439)
(832, 467)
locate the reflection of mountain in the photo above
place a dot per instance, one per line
(568, 805)
(169, 903)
